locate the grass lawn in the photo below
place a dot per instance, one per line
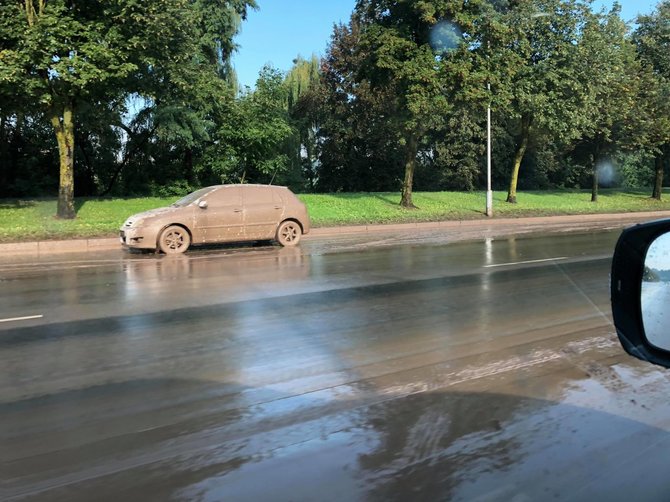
(22, 220)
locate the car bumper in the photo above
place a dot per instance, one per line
(132, 238)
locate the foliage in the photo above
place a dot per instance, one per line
(652, 39)
(304, 103)
(547, 96)
(357, 148)
(249, 145)
(68, 54)
(612, 73)
(142, 99)
(413, 73)
(26, 219)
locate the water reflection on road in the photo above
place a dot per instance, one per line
(483, 370)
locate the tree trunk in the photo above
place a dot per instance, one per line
(658, 181)
(188, 166)
(4, 155)
(595, 160)
(64, 128)
(85, 181)
(129, 155)
(410, 165)
(594, 188)
(16, 146)
(518, 157)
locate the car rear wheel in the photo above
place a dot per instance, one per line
(174, 240)
(289, 233)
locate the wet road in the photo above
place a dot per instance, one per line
(400, 369)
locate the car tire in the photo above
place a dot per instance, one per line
(174, 240)
(289, 233)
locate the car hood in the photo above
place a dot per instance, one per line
(139, 218)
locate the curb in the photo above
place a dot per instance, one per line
(39, 248)
(63, 246)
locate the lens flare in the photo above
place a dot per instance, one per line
(445, 36)
(607, 173)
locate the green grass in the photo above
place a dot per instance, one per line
(23, 220)
(345, 209)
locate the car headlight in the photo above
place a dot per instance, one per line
(132, 223)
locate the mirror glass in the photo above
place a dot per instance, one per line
(655, 294)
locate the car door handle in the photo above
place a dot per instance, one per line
(237, 210)
(277, 207)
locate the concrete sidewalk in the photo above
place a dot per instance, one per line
(539, 223)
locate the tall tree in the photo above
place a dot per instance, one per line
(62, 53)
(611, 75)
(304, 99)
(652, 39)
(358, 148)
(396, 34)
(250, 139)
(547, 95)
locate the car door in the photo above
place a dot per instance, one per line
(262, 212)
(221, 220)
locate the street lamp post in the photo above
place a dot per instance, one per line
(489, 192)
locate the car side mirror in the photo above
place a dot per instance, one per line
(202, 204)
(640, 289)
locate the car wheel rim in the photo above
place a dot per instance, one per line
(289, 233)
(174, 240)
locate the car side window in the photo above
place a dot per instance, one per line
(257, 195)
(277, 198)
(224, 197)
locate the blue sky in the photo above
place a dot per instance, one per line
(283, 29)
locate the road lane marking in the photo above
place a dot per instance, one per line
(26, 318)
(525, 262)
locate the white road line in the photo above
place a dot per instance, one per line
(525, 262)
(26, 318)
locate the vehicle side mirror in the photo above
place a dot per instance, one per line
(202, 204)
(640, 289)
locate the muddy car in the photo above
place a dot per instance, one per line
(217, 214)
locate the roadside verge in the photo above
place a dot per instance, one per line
(536, 223)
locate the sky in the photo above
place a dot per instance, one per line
(280, 30)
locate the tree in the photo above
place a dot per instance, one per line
(251, 136)
(652, 39)
(184, 102)
(611, 74)
(304, 99)
(396, 35)
(66, 53)
(358, 150)
(541, 74)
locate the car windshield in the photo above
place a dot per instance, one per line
(192, 197)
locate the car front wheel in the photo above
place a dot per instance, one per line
(174, 240)
(289, 233)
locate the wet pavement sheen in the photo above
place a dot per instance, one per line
(357, 368)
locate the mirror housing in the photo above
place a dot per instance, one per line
(626, 280)
(202, 204)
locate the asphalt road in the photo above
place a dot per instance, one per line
(355, 368)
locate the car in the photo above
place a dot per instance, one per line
(640, 291)
(218, 214)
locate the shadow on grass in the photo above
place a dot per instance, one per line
(17, 204)
(389, 199)
(78, 204)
